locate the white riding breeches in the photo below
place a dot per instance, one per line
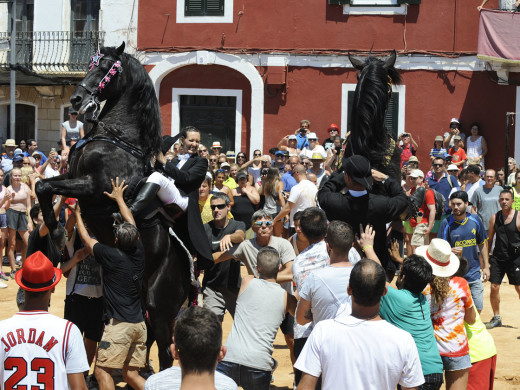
(168, 193)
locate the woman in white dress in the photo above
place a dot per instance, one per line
(476, 146)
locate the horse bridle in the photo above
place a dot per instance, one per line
(114, 69)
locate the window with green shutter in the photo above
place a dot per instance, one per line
(204, 7)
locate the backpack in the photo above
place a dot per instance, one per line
(440, 203)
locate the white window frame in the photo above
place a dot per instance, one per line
(227, 18)
(346, 88)
(374, 7)
(176, 108)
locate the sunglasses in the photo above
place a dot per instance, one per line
(218, 206)
(244, 157)
(213, 159)
(26, 163)
(203, 151)
(264, 223)
(257, 154)
(438, 165)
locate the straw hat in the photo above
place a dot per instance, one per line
(10, 142)
(443, 261)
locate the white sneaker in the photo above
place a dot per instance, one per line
(3, 285)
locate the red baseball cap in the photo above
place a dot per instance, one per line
(38, 273)
(333, 126)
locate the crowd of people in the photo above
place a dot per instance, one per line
(322, 238)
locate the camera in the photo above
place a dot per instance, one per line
(338, 149)
(302, 130)
(264, 171)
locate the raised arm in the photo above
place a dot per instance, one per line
(479, 8)
(63, 137)
(282, 145)
(82, 230)
(117, 196)
(44, 230)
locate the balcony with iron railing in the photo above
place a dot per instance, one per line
(51, 52)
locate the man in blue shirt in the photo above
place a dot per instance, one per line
(467, 236)
(443, 183)
(440, 181)
(287, 178)
(301, 134)
(32, 146)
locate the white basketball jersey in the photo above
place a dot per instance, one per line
(38, 350)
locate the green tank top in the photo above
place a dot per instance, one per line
(516, 201)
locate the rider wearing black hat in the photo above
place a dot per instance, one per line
(358, 206)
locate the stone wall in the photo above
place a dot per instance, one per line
(49, 103)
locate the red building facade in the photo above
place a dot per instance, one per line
(249, 74)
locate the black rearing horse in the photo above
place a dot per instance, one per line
(124, 139)
(368, 134)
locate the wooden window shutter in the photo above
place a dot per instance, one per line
(411, 2)
(204, 7)
(215, 7)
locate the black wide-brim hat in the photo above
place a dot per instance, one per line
(358, 168)
(167, 142)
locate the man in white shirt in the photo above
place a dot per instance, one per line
(313, 223)
(303, 195)
(361, 351)
(40, 350)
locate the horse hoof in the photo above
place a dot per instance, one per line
(118, 219)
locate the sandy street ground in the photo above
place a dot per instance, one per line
(507, 338)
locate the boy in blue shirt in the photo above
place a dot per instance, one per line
(467, 236)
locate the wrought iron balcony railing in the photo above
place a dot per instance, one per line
(51, 52)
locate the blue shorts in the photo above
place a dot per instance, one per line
(456, 363)
(3, 221)
(477, 293)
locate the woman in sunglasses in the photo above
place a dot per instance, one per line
(203, 151)
(246, 198)
(254, 166)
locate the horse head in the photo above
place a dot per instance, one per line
(119, 79)
(104, 79)
(369, 136)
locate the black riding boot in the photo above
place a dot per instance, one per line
(144, 197)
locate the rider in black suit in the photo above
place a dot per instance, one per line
(188, 170)
(360, 205)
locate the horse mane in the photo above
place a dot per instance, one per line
(143, 100)
(369, 136)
